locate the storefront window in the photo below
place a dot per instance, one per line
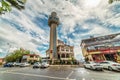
(118, 53)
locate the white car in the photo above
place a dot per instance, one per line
(17, 64)
(25, 64)
(44, 65)
(110, 65)
(37, 65)
(93, 65)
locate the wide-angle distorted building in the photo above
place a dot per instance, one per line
(102, 48)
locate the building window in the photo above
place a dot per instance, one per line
(118, 53)
(63, 55)
(62, 49)
(31, 56)
(36, 56)
(71, 50)
(67, 49)
(67, 56)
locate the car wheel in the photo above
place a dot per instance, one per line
(101, 69)
(85, 66)
(91, 67)
(110, 68)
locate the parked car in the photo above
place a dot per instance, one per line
(24, 64)
(9, 64)
(37, 65)
(93, 66)
(17, 64)
(110, 65)
(44, 65)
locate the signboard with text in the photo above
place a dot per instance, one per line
(109, 51)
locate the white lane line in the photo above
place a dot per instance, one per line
(11, 70)
(36, 75)
(69, 75)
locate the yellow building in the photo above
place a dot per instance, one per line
(101, 48)
(30, 58)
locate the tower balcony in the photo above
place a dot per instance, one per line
(53, 18)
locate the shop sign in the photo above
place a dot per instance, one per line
(109, 51)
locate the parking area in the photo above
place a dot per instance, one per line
(56, 73)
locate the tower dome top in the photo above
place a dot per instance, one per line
(54, 14)
(53, 18)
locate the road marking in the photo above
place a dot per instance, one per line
(83, 78)
(36, 75)
(69, 75)
(11, 70)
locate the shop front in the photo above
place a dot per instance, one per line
(98, 57)
(118, 57)
(110, 55)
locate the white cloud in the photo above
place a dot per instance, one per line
(18, 38)
(0, 4)
(1, 50)
(78, 53)
(99, 30)
(91, 3)
(70, 12)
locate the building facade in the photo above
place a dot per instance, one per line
(65, 53)
(1, 60)
(30, 58)
(102, 48)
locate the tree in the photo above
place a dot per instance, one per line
(16, 55)
(111, 1)
(5, 5)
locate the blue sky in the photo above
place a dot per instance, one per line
(79, 19)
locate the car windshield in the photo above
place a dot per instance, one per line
(59, 39)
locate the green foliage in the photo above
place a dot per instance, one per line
(19, 4)
(5, 5)
(40, 59)
(110, 1)
(0, 63)
(16, 55)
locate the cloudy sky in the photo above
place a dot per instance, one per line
(79, 19)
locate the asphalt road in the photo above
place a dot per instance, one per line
(57, 73)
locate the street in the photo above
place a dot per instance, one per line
(56, 73)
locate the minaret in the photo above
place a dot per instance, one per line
(53, 22)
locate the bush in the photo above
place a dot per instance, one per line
(0, 63)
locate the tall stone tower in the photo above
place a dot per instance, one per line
(53, 22)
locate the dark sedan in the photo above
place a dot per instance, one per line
(10, 64)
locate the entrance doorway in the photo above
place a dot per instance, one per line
(109, 57)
